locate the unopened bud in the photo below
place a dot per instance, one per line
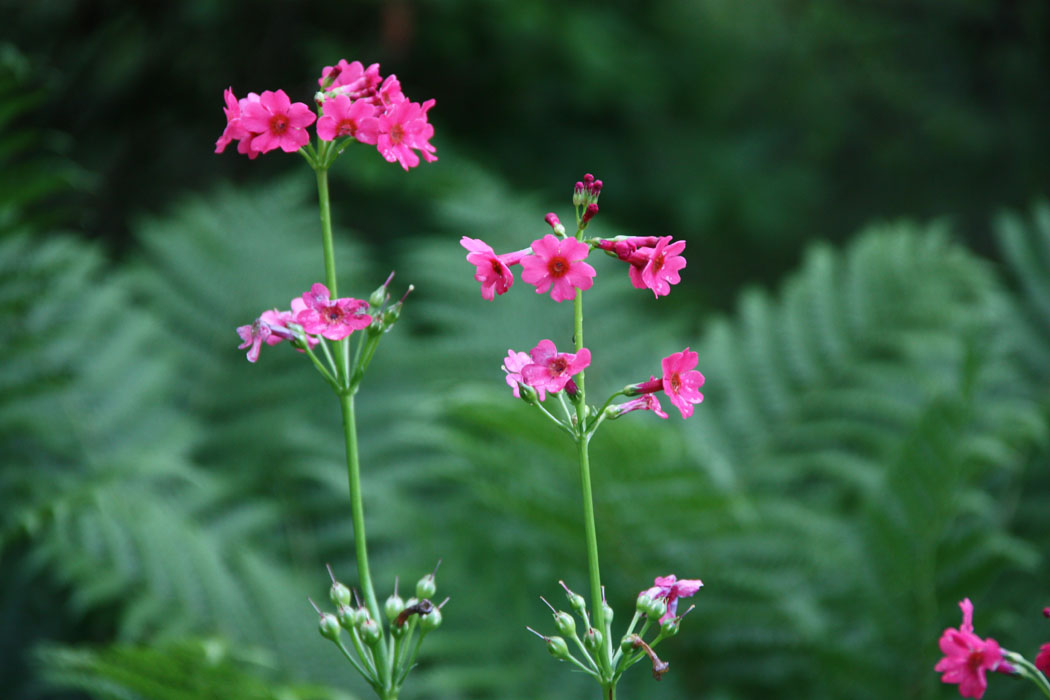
(555, 223)
(593, 639)
(426, 587)
(565, 623)
(431, 621)
(379, 296)
(1046, 612)
(339, 594)
(577, 194)
(361, 616)
(346, 616)
(558, 648)
(329, 626)
(627, 643)
(370, 632)
(669, 627)
(528, 394)
(657, 609)
(576, 601)
(608, 612)
(393, 607)
(589, 213)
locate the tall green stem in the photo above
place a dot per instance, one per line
(326, 230)
(598, 612)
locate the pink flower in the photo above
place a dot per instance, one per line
(351, 79)
(334, 319)
(660, 267)
(254, 336)
(551, 370)
(967, 657)
(1042, 659)
(558, 264)
(493, 270)
(234, 129)
(278, 122)
(681, 382)
(671, 589)
(645, 402)
(513, 365)
(404, 128)
(345, 118)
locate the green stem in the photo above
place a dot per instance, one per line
(346, 402)
(326, 231)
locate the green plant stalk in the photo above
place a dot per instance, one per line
(353, 469)
(582, 442)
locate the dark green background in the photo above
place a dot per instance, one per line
(873, 443)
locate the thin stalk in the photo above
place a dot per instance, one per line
(354, 662)
(353, 470)
(326, 231)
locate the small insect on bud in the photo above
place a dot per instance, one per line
(426, 587)
(593, 640)
(412, 607)
(329, 626)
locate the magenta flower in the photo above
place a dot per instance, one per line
(254, 336)
(493, 270)
(660, 267)
(513, 365)
(1042, 659)
(551, 370)
(670, 589)
(558, 266)
(278, 122)
(646, 402)
(404, 128)
(334, 319)
(351, 79)
(342, 117)
(681, 382)
(967, 657)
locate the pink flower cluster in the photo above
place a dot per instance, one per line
(355, 102)
(681, 383)
(654, 261)
(313, 314)
(967, 657)
(549, 264)
(670, 589)
(544, 368)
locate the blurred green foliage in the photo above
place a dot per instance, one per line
(873, 446)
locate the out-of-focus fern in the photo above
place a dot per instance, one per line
(191, 669)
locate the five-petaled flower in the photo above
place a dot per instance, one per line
(558, 266)
(334, 319)
(493, 271)
(967, 657)
(345, 118)
(660, 267)
(670, 589)
(681, 381)
(512, 365)
(551, 370)
(277, 122)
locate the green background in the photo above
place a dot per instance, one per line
(868, 289)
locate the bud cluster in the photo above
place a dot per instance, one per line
(382, 657)
(656, 609)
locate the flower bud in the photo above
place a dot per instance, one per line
(669, 627)
(577, 603)
(393, 607)
(565, 624)
(592, 641)
(426, 587)
(627, 643)
(589, 213)
(377, 298)
(431, 621)
(346, 616)
(361, 616)
(339, 594)
(643, 603)
(657, 608)
(528, 394)
(329, 626)
(370, 632)
(608, 612)
(558, 648)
